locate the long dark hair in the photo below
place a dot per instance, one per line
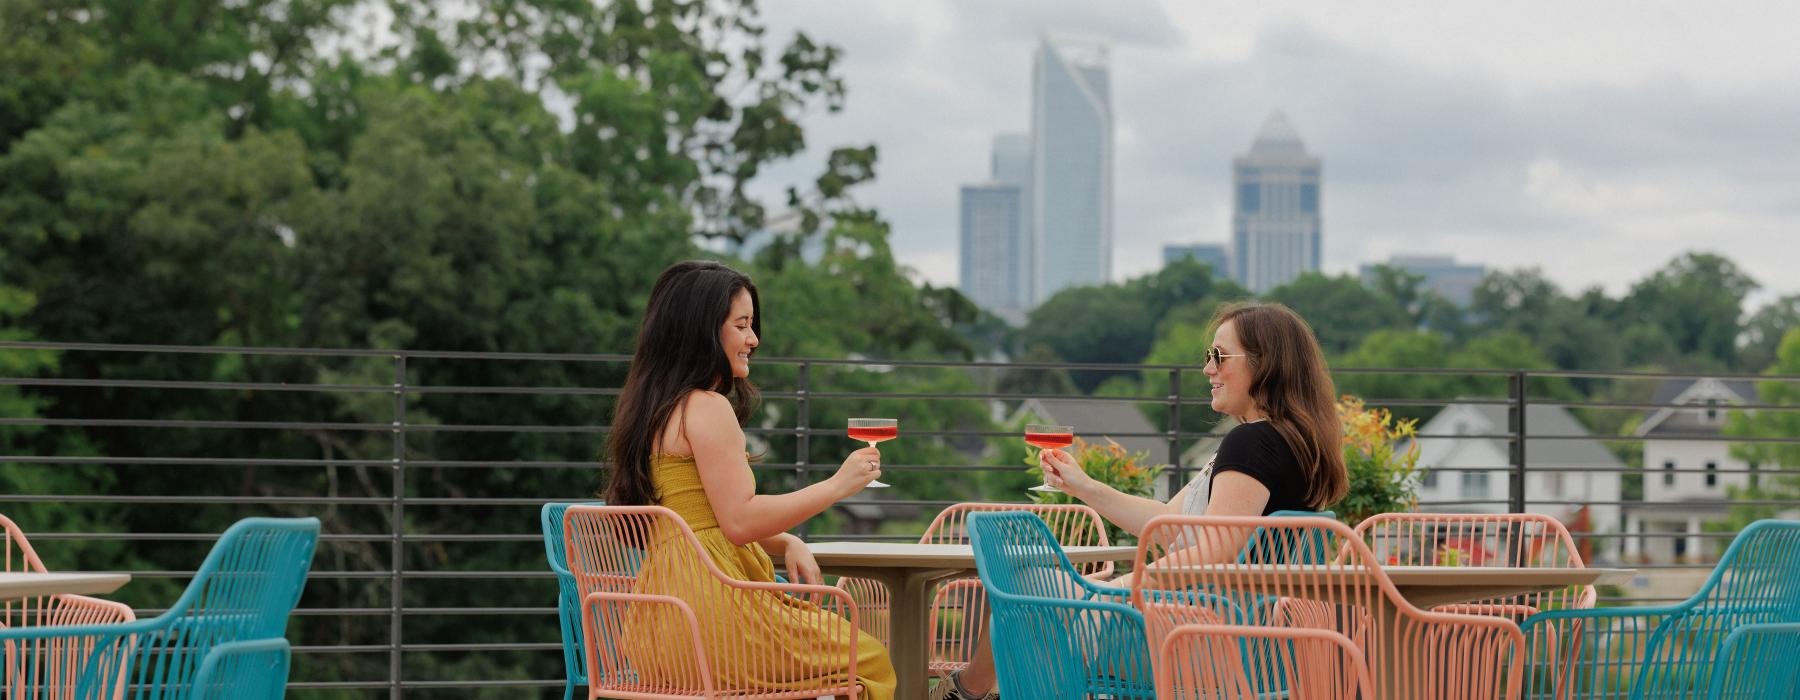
(678, 351)
(1288, 381)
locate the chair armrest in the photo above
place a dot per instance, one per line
(1756, 660)
(606, 663)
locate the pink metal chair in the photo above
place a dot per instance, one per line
(1481, 539)
(57, 662)
(1513, 539)
(1187, 564)
(1209, 662)
(692, 630)
(959, 610)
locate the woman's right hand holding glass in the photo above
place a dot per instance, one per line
(860, 468)
(1063, 472)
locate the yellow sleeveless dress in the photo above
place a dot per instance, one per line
(764, 641)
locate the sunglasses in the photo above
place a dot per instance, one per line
(1217, 356)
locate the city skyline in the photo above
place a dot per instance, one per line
(1560, 145)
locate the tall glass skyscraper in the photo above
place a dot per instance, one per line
(992, 243)
(996, 232)
(1072, 165)
(1275, 224)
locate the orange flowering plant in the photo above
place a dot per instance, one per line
(1110, 464)
(1383, 478)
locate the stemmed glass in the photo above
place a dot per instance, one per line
(874, 430)
(1048, 437)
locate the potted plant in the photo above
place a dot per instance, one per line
(1384, 477)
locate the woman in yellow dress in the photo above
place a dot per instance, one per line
(678, 442)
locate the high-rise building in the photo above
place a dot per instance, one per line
(1071, 164)
(1275, 225)
(1011, 165)
(1207, 254)
(993, 245)
(1442, 275)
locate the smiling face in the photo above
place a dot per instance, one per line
(1231, 376)
(738, 336)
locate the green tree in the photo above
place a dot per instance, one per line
(1340, 309)
(1779, 462)
(1695, 301)
(1397, 349)
(1762, 332)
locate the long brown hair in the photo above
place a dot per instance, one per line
(678, 352)
(1289, 383)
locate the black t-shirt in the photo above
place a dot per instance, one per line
(1257, 449)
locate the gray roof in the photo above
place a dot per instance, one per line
(1545, 421)
(1669, 421)
(1096, 420)
(1670, 389)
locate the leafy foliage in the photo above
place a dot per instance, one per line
(1383, 479)
(1129, 472)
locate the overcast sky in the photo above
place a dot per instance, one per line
(1596, 140)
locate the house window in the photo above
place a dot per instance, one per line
(1712, 413)
(1475, 486)
(1712, 474)
(1669, 473)
(1430, 481)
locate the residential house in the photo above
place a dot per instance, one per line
(1688, 470)
(1466, 453)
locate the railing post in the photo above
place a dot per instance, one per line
(1175, 480)
(397, 548)
(1515, 425)
(803, 438)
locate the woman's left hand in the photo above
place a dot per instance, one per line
(801, 565)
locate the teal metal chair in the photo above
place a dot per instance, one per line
(1757, 663)
(1674, 651)
(568, 598)
(1054, 633)
(244, 590)
(249, 670)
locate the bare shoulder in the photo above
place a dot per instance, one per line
(707, 404)
(710, 416)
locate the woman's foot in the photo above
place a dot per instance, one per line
(952, 689)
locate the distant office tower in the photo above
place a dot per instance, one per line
(1011, 165)
(1451, 281)
(1072, 164)
(1207, 254)
(1276, 230)
(992, 249)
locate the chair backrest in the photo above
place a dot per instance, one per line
(1757, 581)
(1264, 548)
(244, 590)
(1054, 633)
(568, 598)
(19, 556)
(1217, 662)
(1481, 539)
(255, 669)
(1436, 655)
(1071, 525)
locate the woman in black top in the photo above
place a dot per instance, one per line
(1268, 373)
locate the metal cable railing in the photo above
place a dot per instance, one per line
(430, 572)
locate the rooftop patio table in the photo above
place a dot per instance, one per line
(909, 571)
(1425, 587)
(18, 585)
